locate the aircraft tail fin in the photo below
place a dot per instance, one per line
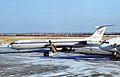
(98, 34)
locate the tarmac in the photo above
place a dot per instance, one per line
(61, 65)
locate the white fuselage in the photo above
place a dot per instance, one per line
(108, 45)
(34, 44)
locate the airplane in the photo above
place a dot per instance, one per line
(111, 45)
(65, 44)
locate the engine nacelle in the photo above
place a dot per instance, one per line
(89, 42)
(93, 42)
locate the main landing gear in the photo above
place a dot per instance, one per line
(117, 53)
(65, 49)
(53, 50)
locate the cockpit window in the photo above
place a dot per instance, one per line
(105, 42)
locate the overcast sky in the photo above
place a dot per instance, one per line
(73, 16)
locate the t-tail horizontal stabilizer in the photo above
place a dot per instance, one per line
(98, 34)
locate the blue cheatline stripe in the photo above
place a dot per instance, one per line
(47, 42)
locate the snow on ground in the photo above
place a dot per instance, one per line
(35, 65)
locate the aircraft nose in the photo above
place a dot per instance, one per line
(105, 47)
(102, 46)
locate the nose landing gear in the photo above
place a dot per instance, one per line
(116, 55)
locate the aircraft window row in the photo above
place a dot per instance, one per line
(16, 43)
(24, 42)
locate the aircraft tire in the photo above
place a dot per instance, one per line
(46, 54)
(116, 55)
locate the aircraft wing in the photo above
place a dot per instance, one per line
(73, 46)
